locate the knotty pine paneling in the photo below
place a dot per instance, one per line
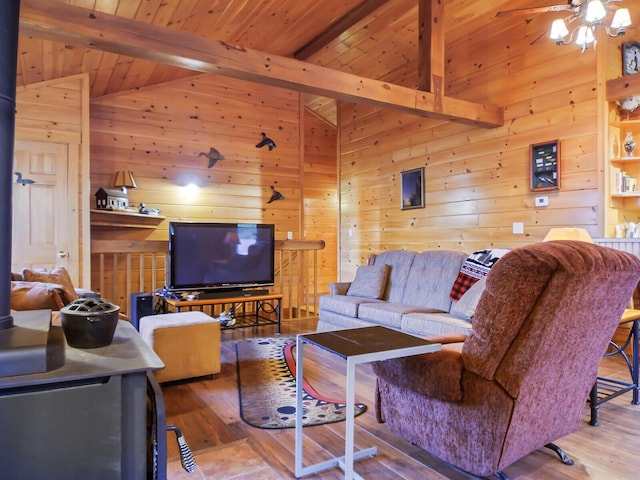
(321, 194)
(158, 132)
(476, 180)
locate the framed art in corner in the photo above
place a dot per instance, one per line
(544, 163)
(412, 188)
(630, 58)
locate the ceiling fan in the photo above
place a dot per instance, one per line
(591, 12)
(570, 6)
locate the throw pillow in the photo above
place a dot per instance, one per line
(58, 275)
(475, 267)
(370, 281)
(36, 296)
(465, 308)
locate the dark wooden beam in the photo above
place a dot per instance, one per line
(99, 31)
(431, 46)
(338, 28)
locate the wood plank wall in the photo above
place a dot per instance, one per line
(477, 180)
(159, 132)
(57, 111)
(321, 194)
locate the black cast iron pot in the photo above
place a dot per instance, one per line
(89, 322)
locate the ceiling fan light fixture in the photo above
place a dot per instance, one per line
(595, 11)
(591, 13)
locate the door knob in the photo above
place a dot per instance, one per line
(61, 254)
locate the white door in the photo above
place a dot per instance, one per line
(40, 212)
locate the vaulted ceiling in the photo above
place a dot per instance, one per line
(375, 39)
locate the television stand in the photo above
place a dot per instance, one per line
(230, 294)
(251, 308)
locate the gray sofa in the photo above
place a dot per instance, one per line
(404, 290)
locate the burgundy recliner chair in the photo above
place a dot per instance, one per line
(521, 378)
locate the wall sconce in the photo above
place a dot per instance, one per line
(190, 191)
(124, 180)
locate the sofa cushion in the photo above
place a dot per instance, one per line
(37, 296)
(431, 277)
(334, 321)
(389, 314)
(58, 275)
(400, 262)
(343, 304)
(475, 267)
(465, 308)
(433, 324)
(370, 281)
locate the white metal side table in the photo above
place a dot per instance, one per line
(355, 345)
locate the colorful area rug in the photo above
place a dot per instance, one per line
(267, 385)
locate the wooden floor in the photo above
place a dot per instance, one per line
(206, 410)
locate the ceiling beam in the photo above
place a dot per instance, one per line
(431, 46)
(621, 87)
(338, 27)
(99, 31)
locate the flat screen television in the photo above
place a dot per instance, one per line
(220, 256)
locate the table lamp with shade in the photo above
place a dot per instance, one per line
(568, 233)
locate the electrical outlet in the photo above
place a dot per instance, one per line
(290, 235)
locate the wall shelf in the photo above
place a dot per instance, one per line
(124, 219)
(626, 195)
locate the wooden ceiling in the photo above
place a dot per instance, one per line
(375, 39)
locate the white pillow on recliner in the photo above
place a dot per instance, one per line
(370, 281)
(465, 308)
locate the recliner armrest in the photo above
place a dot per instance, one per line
(437, 374)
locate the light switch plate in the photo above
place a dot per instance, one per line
(518, 228)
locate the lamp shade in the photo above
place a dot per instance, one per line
(559, 30)
(595, 11)
(585, 36)
(124, 179)
(568, 233)
(621, 19)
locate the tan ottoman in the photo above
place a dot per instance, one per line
(187, 342)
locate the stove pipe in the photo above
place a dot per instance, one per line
(9, 24)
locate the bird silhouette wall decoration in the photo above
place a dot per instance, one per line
(214, 155)
(23, 181)
(275, 195)
(266, 141)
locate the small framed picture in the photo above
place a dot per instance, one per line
(413, 189)
(630, 58)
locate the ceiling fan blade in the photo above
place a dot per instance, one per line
(550, 8)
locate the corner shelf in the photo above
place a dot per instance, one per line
(626, 195)
(123, 219)
(625, 159)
